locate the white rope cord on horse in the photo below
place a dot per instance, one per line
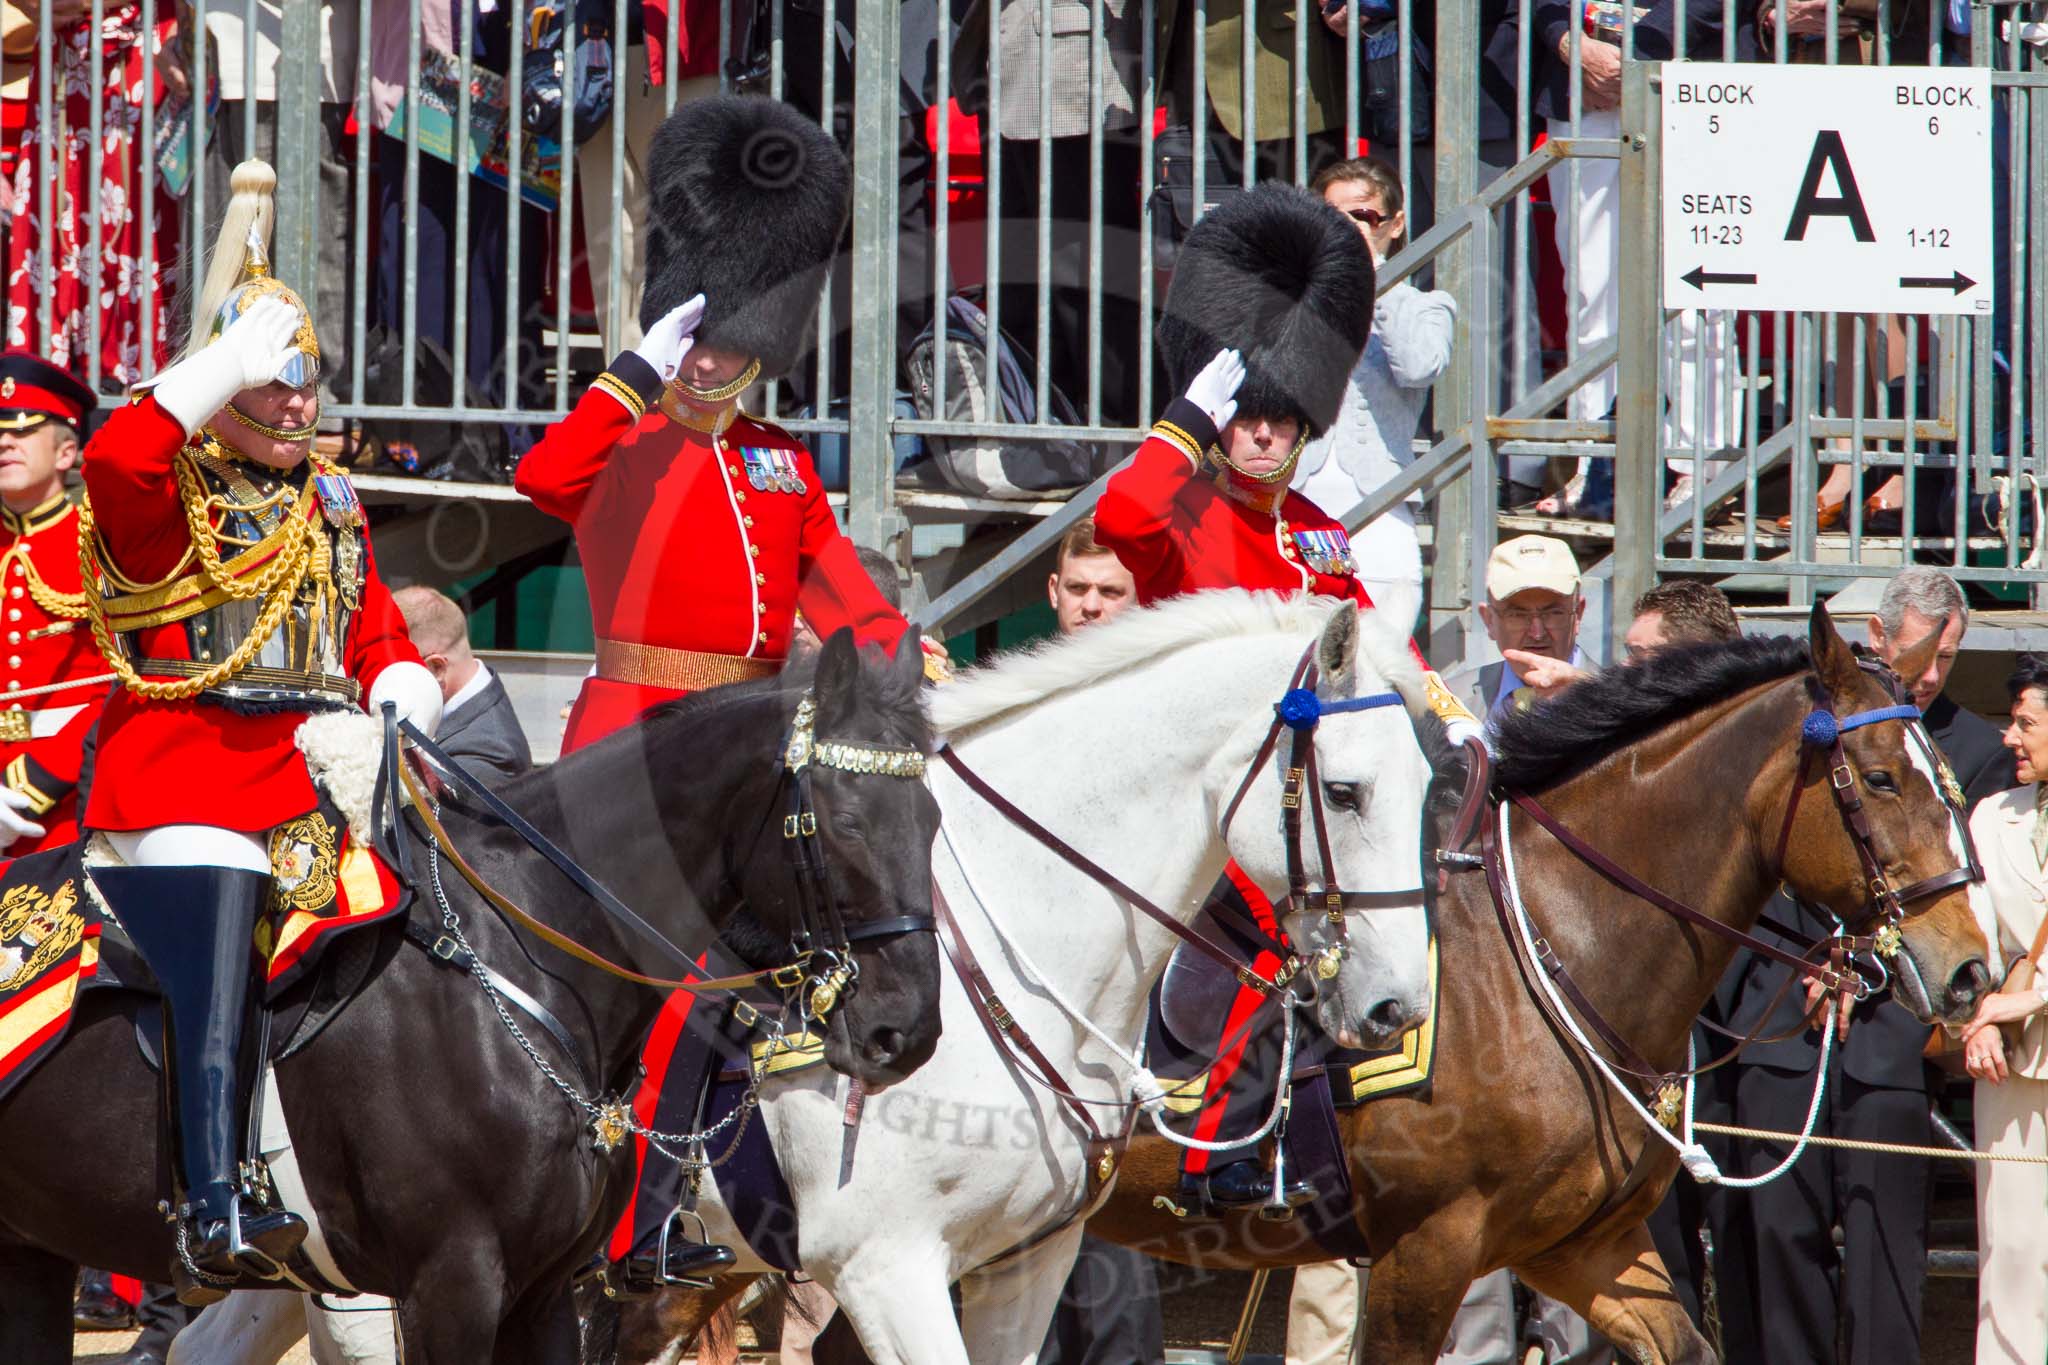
(1881, 1148)
(1698, 1162)
(1144, 1086)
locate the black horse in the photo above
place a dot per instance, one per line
(447, 1171)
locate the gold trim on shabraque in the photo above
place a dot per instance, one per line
(681, 670)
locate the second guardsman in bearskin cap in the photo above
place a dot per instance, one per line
(55, 682)
(703, 530)
(1270, 306)
(230, 586)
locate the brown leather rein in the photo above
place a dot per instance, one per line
(1820, 735)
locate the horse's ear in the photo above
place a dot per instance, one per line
(1912, 660)
(838, 666)
(1833, 660)
(906, 665)
(1337, 650)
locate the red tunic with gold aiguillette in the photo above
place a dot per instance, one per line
(211, 759)
(42, 739)
(698, 548)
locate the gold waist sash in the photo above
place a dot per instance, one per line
(680, 670)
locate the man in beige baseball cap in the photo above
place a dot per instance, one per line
(1532, 611)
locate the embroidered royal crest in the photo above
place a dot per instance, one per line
(1327, 552)
(305, 858)
(35, 930)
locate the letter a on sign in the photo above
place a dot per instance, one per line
(1829, 155)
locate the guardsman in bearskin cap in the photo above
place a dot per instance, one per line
(230, 587)
(702, 529)
(1270, 306)
(43, 721)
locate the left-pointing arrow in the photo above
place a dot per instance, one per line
(1699, 277)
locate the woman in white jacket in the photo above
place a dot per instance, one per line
(1373, 439)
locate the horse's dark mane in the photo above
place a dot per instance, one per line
(1618, 706)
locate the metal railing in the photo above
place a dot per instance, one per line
(1792, 396)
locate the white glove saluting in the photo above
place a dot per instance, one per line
(1214, 390)
(14, 819)
(670, 339)
(249, 353)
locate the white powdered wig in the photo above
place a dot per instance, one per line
(344, 750)
(1144, 634)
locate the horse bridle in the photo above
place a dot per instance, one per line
(1297, 714)
(1820, 734)
(824, 940)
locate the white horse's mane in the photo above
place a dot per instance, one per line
(1027, 676)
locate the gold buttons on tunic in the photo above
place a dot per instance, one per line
(748, 520)
(14, 613)
(751, 549)
(13, 637)
(762, 637)
(14, 591)
(742, 497)
(761, 578)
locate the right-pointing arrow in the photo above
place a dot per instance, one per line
(1699, 277)
(1955, 283)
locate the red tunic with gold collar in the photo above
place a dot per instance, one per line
(1178, 533)
(216, 759)
(698, 547)
(42, 739)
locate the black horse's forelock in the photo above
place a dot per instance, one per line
(1589, 720)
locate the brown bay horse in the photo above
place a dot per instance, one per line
(1520, 1154)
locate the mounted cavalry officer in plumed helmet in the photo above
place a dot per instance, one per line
(231, 586)
(703, 530)
(1270, 306)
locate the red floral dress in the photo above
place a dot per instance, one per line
(123, 292)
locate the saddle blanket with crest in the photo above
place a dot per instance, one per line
(1189, 1006)
(58, 940)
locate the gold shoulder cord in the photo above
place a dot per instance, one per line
(278, 582)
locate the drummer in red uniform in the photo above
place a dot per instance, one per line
(1270, 306)
(703, 530)
(231, 588)
(55, 682)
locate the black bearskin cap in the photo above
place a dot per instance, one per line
(1284, 278)
(747, 201)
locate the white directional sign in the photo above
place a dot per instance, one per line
(1840, 189)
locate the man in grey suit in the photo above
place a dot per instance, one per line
(1532, 612)
(479, 728)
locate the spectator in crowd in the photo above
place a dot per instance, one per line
(228, 145)
(1800, 31)
(1373, 438)
(131, 299)
(1684, 611)
(1532, 612)
(1218, 127)
(1088, 583)
(479, 728)
(2005, 1048)
(1012, 122)
(640, 99)
(428, 327)
(1699, 378)
(1779, 1255)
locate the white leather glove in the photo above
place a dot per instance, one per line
(1214, 390)
(249, 353)
(14, 818)
(670, 339)
(415, 692)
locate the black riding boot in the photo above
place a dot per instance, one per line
(1246, 1184)
(192, 925)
